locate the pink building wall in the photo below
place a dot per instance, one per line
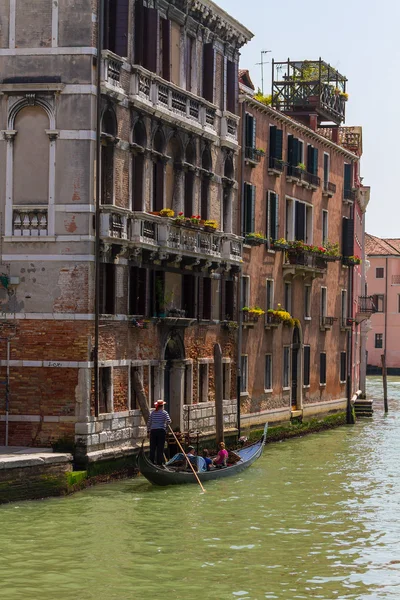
(386, 323)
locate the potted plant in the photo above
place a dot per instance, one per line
(255, 312)
(280, 244)
(195, 220)
(254, 239)
(167, 212)
(180, 219)
(210, 225)
(352, 260)
(301, 166)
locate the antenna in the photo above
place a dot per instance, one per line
(262, 63)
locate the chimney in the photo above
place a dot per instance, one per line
(313, 121)
(335, 135)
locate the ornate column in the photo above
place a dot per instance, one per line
(9, 136)
(177, 200)
(177, 393)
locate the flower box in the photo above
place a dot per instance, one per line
(254, 241)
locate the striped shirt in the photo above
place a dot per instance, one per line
(158, 419)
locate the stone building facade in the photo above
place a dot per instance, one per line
(300, 184)
(167, 288)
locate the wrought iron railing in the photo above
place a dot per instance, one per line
(311, 179)
(276, 164)
(252, 154)
(326, 322)
(329, 187)
(301, 258)
(349, 195)
(366, 304)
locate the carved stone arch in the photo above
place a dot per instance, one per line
(175, 148)
(16, 103)
(159, 140)
(229, 167)
(190, 152)
(109, 122)
(206, 159)
(173, 347)
(139, 133)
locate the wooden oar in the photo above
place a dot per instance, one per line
(187, 458)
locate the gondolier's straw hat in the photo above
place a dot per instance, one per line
(159, 403)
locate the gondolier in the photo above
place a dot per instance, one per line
(157, 425)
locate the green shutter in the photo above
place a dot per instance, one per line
(347, 177)
(253, 208)
(315, 161)
(279, 144)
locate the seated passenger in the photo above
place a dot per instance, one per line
(207, 459)
(222, 456)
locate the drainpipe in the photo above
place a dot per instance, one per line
(239, 289)
(350, 311)
(100, 24)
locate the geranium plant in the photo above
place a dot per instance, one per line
(195, 219)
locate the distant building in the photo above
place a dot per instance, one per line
(383, 284)
(300, 198)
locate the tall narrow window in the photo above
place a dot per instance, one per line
(250, 131)
(347, 237)
(208, 72)
(379, 273)
(343, 308)
(348, 181)
(312, 159)
(322, 368)
(272, 229)
(137, 291)
(189, 294)
(190, 51)
(231, 86)
(249, 208)
(326, 170)
(229, 301)
(270, 294)
(107, 288)
(306, 365)
(244, 373)
(275, 147)
(137, 181)
(105, 389)
(158, 185)
(324, 227)
(288, 297)
(379, 340)
(245, 293)
(286, 366)
(165, 49)
(268, 372)
(116, 26)
(323, 301)
(379, 302)
(307, 301)
(206, 298)
(343, 369)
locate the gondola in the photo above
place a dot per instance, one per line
(162, 476)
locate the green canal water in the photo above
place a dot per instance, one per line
(316, 517)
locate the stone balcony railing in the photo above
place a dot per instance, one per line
(165, 99)
(163, 235)
(230, 129)
(111, 69)
(30, 221)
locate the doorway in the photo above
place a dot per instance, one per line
(174, 379)
(296, 371)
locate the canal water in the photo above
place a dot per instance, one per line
(316, 517)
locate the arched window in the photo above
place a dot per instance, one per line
(31, 157)
(108, 136)
(173, 173)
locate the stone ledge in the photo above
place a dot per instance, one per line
(19, 461)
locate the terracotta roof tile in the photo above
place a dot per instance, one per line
(375, 246)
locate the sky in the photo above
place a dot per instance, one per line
(360, 39)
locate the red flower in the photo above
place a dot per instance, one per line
(180, 214)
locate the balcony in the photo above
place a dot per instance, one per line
(301, 177)
(275, 166)
(271, 320)
(252, 156)
(326, 323)
(346, 324)
(30, 221)
(168, 240)
(304, 264)
(349, 195)
(329, 189)
(229, 130)
(173, 104)
(313, 181)
(111, 66)
(365, 308)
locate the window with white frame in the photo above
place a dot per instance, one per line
(306, 365)
(299, 220)
(322, 368)
(324, 227)
(270, 294)
(343, 362)
(326, 169)
(245, 295)
(288, 297)
(324, 299)
(307, 301)
(268, 373)
(244, 366)
(286, 367)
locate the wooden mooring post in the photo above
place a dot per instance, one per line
(384, 377)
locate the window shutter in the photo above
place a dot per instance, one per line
(300, 221)
(343, 366)
(121, 27)
(276, 233)
(224, 91)
(347, 237)
(139, 32)
(253, 145)
(300, 146)
(208, 72)
(253, 208)
(166, 49)
(326, 168)
(290, 149)
(272, 141)
(268, 228)
(249, 130)
(295, 152)
(231, 86)
(279, 144)
(310, 156)
(347, 177)
(306, 374)
(151, 49)
(273, 215)
(315, 161)
(322, 367)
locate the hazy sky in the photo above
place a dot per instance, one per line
(360, 39)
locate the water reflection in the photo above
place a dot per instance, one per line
(315, 518)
